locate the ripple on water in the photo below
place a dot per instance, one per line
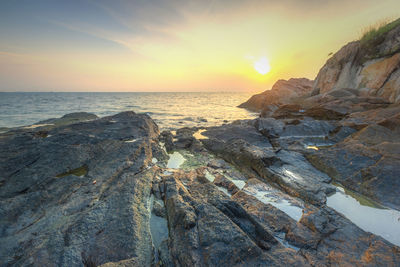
(269, 195)
(175, 160)
(371, 218)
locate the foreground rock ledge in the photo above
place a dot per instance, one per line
(88, 191)
(77, 194)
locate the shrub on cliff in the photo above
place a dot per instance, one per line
(375, 35)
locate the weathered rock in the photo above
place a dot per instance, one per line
(270, 127)
(282, 92)
(323, 236)
(222, 181)
(366, 162)
(168, 140)
(359, 120)
(370, 67)
(343, 243)
(252, 153)
(79, 195)
(70, 118)
(208, 229)
(288, 111)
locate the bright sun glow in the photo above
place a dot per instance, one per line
(262, 65)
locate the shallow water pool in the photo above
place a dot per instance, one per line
(369, 217)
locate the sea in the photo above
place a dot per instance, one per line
(169, 110)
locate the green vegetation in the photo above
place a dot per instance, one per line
(363, 200)
(372, 37)
(374, 32)
(194, 161)
(81, 171)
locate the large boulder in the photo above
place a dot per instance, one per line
(369, 66)
(77, 194)
(282, 92)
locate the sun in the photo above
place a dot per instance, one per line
(262, 65)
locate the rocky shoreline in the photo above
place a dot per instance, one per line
(113, 191)
(312, 182)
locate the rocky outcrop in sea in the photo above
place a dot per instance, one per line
(283, 92)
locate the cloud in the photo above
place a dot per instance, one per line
(128, 23)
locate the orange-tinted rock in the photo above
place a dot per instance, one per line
(371, 68)
(288, 111)
(282, 92)
(376, 73)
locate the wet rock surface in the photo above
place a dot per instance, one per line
(244, 146)
(348, 126)
(106, 192)
(281, 190)
(208, 229)
(79, 195)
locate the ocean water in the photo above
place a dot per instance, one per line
(169, 110)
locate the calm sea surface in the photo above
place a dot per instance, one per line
(169, 110)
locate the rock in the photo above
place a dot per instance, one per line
(224, 182)
(269, 127)
(239, 130)
(158, 209)
(183, 139)
(165, 255)
(361, 248)
(70, 118)
(218, 164)
(281, 92)
(168, 140)
(323, 113)
(288, 111)
(51, 212)
(367, 162)
(253, 154)
(359, 120)
(322, 235)
(221, 231)
(336, 108)
(370, 67)
(81, 194)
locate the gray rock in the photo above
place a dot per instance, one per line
(79, 195)
(253, 154)
(323, 235)
(208, 229)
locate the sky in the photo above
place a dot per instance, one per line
(177, 45)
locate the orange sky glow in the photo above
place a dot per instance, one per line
(197, 46)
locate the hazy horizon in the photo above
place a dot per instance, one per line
(174, 46)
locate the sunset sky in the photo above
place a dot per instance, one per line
(160, 45)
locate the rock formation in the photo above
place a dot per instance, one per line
(357, 92)
(103, 192)
(371, 67)
(281, 93)
(77, 194)
(87, 191)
